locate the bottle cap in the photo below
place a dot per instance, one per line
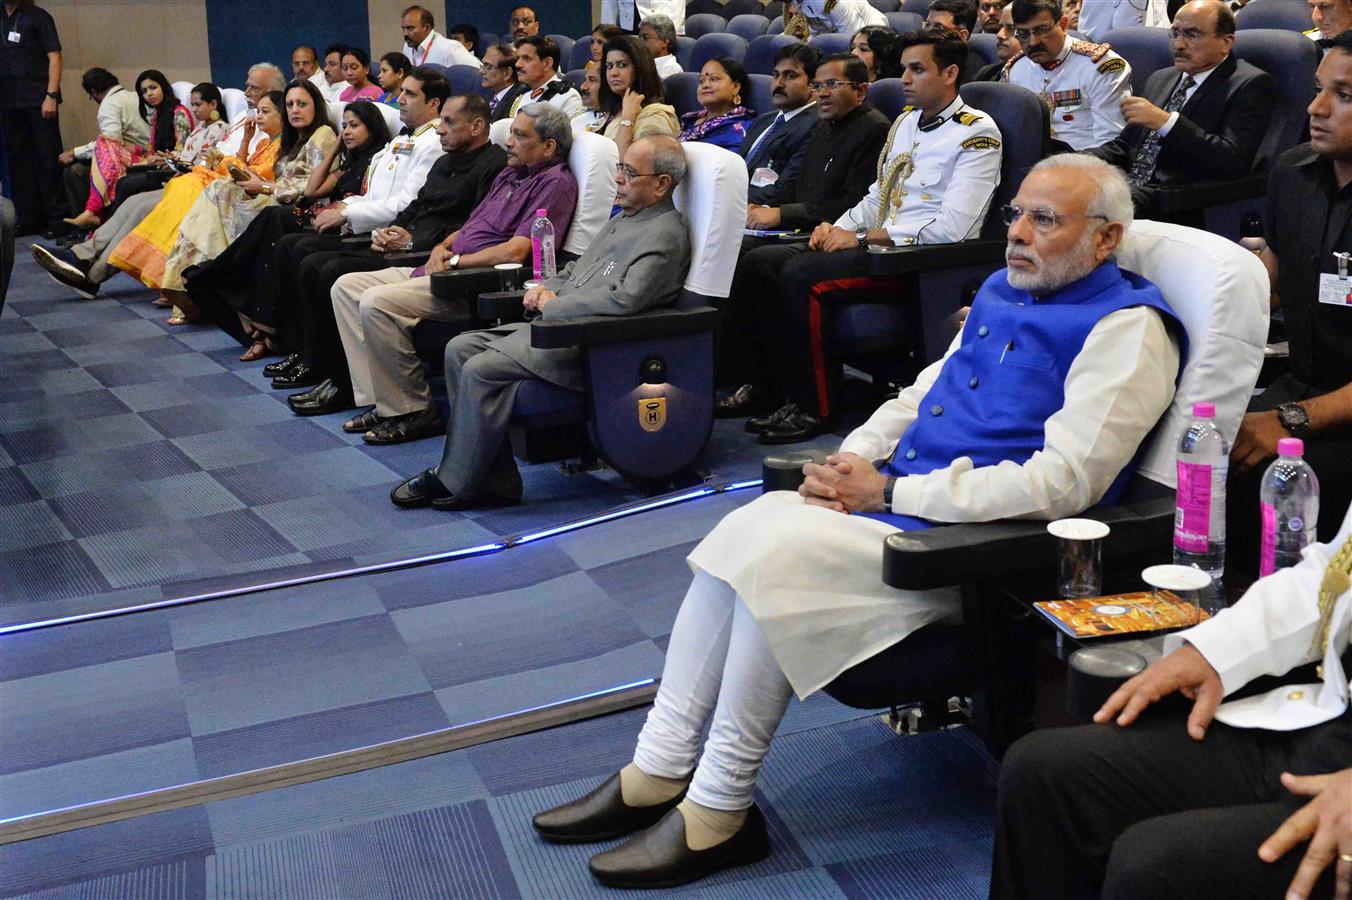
(1291, 447)
(1204, 410)
(542, 213)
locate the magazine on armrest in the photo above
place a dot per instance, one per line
(1119, 614)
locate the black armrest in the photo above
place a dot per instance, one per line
(413, 258)
(501, 305)
(1185, 198)
(658, 323)
(926, 257)
(465, 283)
(784, 471)
(951, 554)
(364, 238)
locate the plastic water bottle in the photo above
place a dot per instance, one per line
(1288, 499)
(1199, 516)
(542, 244)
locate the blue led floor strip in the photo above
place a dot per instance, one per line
(393, 566)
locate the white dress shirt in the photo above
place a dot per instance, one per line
(570, 101)
(440, 50)
(842, 17)
(1083, 87)
(331, 92)
(667, 65)
(1098, 17)
(119, 119)
(1271, 630)
(395, 176)
(621, 12)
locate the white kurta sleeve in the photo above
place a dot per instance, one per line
(1117, 388)
(878, 437)
(1269, 630)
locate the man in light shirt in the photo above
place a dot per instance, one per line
(329, 79)
(304, 62)
(630, 14)
(659, 35)
(423, 45)
(1164, 802)
(786, 594)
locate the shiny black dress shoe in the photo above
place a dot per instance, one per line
(598, 816)
(796, 427)
(411, 427)
(452, 503)
(747, 400)
(659, 858)
(326, 398)
(308, 397)
(762, 424)
(301, 375)
(419, 491)
(282, 366)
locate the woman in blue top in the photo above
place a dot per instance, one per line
(723, 85)
(393, 68)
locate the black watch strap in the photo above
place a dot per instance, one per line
(888, 486)
(1294, 418)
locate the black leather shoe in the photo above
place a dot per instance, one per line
(302, 375)
(282, 366)
(411, 427)
(795, 427)
(747, 400)
(308, 397)
(419, 491)
(762, 424)
(452, 503)
(598, 816)
(326, 398)
(66, 269)
(659, 858)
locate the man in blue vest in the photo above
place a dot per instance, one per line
(1061, 371)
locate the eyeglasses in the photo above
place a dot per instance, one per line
(1189, 34)
(1044, 220)
(505, 64)
(628, 173)
(1023, 34)
(834, 84)
(522, 21)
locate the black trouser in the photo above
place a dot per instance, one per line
(1328, 453)
(743, 354)
(314, 277)
(32, 145)
(1147, 812)
(75, 183)
(135, 183)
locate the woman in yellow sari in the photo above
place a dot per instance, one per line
(225, 208)
(143, 253)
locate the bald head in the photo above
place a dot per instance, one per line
(1203, 35)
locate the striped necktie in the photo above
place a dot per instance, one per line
(1143, 167)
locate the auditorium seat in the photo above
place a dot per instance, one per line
(916, 7)
(762, 98)
(486, 39)
(735, 8)
(183, 91)
(464, 80)
(760, 53)
(983, 45)
(748, 27)
(702, 7)
(885, 6)
(700, 24)
(681, 90)
(236, 105)
(831, 43)
(902, 22)
(887, 96)
(576, 76)
(579, 55)
(1219, 292)
(1286, 15)
(566, 47)
(774, 11)
(714, 46)
(1145, 49)
(685, 47)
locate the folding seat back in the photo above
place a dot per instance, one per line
(681, 90)
(887, 96)
(761, 52)
(1145, 49)
(391, 115)
(831, 43)
(916, 7)
(700, 24)
(183, 91)
(684, 49)
(748, 27)
(762, 94)
(578, 56)
(701, 8)
(774, 11)
(715, 46)
(464, 80)
(1290, 58)
(983, 45)
(566, 47)
(1285, 15)
(908, 20)
(885, 6)
(592, 160)
(734, 8)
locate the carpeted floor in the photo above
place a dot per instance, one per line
(139, 461)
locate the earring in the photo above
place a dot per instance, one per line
(737, 100)
(215, 115)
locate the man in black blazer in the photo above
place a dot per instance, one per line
(1202, 120)
(773, 146)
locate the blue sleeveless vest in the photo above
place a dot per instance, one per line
(994, 395)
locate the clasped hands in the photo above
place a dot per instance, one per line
(847, 483)
(1325, 822)
(536, 298)
(392, 239)
(830, 238)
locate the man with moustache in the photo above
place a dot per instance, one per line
(1007, 48)
(988, 14)
(774, 144)
(329, 79)
(304, 62)
(786, 594)
(424, 46)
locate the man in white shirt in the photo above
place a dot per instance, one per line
(787, 594)
(330, 79)
(1098, 17)
(537, 68)
(659, 34)
(422, 44)
(1166, 803)
(808, 18)
(304, 62)
(630, 14)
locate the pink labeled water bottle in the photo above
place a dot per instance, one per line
(1199, 515)
(542, 244)
(1288, 500)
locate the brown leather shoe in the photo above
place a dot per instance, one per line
(659, 858)
(598, 816)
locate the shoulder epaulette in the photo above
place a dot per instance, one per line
(966, 118)
(1095, 52)
(906, 109)
(421, 129)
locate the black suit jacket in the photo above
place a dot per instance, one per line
(839, 165)
(1218, 131)
(781, 151)
(505, 104)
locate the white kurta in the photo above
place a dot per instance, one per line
(812, 577)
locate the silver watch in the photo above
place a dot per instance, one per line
(861, 235)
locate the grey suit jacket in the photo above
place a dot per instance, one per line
(637, 262)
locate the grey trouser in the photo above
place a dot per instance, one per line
(98, 248)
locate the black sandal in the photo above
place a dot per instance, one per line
(411, 427)
(363, 422)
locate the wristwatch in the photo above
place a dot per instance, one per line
(888, 486)
(453, 261)
(862, 237)
(1294, 418)
(626, 123)
(55, 95)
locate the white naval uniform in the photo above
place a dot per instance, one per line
(1271, 630)
(838, 16)
(1084, 89)
(440, 50)
(1098, 17)
(621, 12)
(570, 101)
(395, 176)
(812, 578)
(935, 183)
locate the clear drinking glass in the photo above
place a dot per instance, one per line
(1185, 583)
(1079, 556)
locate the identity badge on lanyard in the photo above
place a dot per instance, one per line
(1336, 289)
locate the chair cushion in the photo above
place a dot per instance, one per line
(540, 404)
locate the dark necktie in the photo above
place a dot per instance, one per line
(753, 159)
(405, 131)
(1143, 167)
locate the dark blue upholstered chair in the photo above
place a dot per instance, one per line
(983, 45)
(566, 47)
(714, 46)
(1145, 49)
(681, 91)
(904, 21)
(700, 24)
(886, 96)
(831, 43)
(685, 46)
(761, 52)
(580, 55)
(748, 27)
(1284, 15)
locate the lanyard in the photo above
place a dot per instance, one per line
(430, 42)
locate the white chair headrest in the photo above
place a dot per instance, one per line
(236, 104)
(1220, 292)
(713, 200)
(392, 121)
(498, 132)
(592, 161)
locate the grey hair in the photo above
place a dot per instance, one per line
(278, 79)
(1113, 200)
(668, 157)
(551, 124)
(664, 28)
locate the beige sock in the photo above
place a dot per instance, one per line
(705, 827)
(638, 788)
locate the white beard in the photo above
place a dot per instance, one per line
(1051, 275)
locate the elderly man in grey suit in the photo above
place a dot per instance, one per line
(638, 262)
